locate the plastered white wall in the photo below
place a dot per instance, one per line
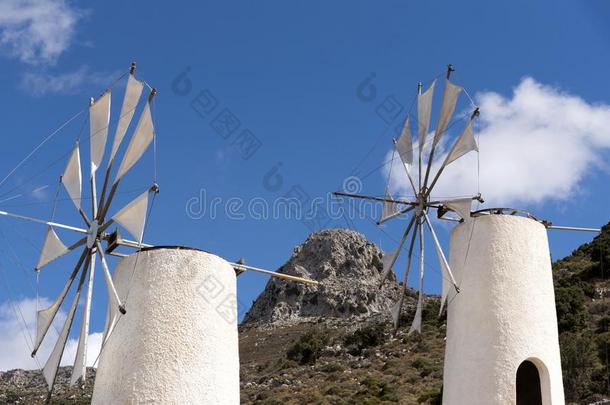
(178, 342)
(504, 314)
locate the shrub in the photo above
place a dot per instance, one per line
(430, 313)
(433, 397)
(332, 367)
(308, 348)
(578, 362)
(365, 337)
(603, 324)
(380, 389)
(570, 304)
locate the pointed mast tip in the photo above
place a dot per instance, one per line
(450, 69)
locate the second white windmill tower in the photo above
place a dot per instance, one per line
(502, 339)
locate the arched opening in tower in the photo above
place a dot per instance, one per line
(528, 384)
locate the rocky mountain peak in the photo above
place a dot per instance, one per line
(349, 270)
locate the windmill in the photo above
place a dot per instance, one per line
(502, 342)
(423, 186)
(131, 217)
(99, 217)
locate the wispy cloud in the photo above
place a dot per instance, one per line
(40, 84)
(37, 31)
(538, 144)
(16, 334)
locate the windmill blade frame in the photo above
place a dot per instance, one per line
(405, 283)
(99, 116)
(462, 145)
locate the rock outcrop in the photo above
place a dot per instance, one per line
(348, 268)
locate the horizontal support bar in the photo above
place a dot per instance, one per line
(42, 221)
(134, 244)
(573, 228)
(367, 197)
(274, 274)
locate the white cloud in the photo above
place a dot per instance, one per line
(537, 145)
(37, 31)
(40, 84)
(14, 334)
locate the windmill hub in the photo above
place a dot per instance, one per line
(421, 203)
(92, 233)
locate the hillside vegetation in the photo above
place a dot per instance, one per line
(299, 355)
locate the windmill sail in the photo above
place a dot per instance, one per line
(395, 310)
(450, 96)
(461, 206)
(49, 370)
(389, 207)
(424, 110)
(133, 92)
(133, 216)
(417, 320)
(140, 141)
(404, 145)
(99, 118)
(72, 179)
(112, 316)
(464, 144)
(52, 249)
(388, 260)
(405, 283)
(45, 317)
(416, 325)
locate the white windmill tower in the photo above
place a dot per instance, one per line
(502, 339)
(179, 342)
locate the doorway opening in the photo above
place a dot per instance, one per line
(529, 391)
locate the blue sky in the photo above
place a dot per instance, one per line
(291, 72)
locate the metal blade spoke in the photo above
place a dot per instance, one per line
(417, 321)
(46, 316)
(405, 283)
(105, 186)
(372, 198)
(93, 196)
(439, 250)
(80, 363)
(49, 370)
(384, 276)
(104, 209)
(397, 214)
(112, 294)
(42, 221)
